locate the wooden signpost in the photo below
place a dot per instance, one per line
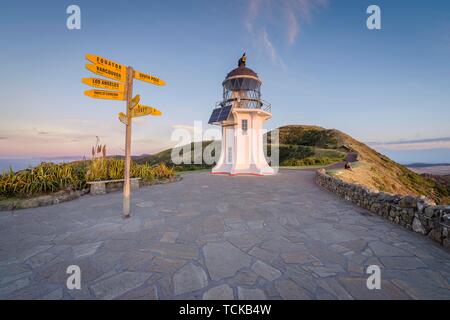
(122, 91)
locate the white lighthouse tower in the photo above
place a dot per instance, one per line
(241, 114)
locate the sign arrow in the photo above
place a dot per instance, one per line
(141, 110)
(102, 94)
(107, 72)
(123, 118)
(103, 84)
(135, 101)
(100, 61)
(148, 78)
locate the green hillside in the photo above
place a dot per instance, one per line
(308, 145)
(165, 157)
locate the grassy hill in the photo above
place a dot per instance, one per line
(308, 145)
(374, 170)
(302, 145)
(165, 157)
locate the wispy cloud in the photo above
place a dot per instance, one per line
(258, 32)
(270, 50)
(262, 14)
(417, 144)
(292, 27)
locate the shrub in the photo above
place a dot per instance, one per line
(49, 177)
(162, 171)
(98, 170)
(112, 169)
(309, 161)
(46, 177)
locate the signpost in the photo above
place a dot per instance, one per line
(122, 91)
(127, 183)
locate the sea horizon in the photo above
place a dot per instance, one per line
(21, 163)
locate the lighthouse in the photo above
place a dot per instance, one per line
(241, 114)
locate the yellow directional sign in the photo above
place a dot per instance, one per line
(141, 110)
(135, 101)
(148, 78)
(100, 61)
(104, 84)
(123, 118)
(102, 94)
(107, 72)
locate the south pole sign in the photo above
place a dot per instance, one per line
(121, 89)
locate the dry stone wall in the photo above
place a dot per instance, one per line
(415, 213)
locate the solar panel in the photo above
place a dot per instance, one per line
(214, 115)
(224, 113)
(220, 114)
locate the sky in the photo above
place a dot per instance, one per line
(318, 61)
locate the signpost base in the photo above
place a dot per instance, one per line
(126, 207)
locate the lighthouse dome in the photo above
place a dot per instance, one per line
(242, 78)
(242, 71)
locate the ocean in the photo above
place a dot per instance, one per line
(20, 164)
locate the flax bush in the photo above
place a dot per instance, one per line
(49, 177)
(45, 178)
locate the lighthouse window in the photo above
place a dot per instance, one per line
(244, 126)
(230, 154)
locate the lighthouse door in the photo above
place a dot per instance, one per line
(230, 155)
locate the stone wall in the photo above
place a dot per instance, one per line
(39, 201)
(415, 213)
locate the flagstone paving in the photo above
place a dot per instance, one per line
(217, 237)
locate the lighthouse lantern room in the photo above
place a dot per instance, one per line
(241, 114)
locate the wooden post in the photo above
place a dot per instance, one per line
(126, 185)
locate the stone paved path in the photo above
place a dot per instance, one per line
(217, 237)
